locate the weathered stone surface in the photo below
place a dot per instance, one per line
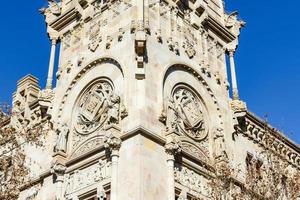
(141, 107)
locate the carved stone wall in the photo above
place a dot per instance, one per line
(164, 61)
(85, 177)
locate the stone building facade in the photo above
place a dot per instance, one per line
(141, 107)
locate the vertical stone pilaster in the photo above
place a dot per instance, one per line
(172, 148)
(58, 170)
(113, 144)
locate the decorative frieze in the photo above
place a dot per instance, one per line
(88, 176)
(190, 179)
(268, 138)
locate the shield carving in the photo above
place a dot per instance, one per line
(190, 118)
(95, 37)
(93, 108)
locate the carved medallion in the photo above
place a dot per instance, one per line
(185, 114)
(98, 107)
(95, 37)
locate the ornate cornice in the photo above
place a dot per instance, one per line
(269, 138)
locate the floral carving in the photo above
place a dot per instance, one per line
(185, 115)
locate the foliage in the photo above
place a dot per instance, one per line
(14, 172)
(268, 179)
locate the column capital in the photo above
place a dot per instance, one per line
(172, 147)
(58, 169)
(53, 41)
(231, 52)
(113, 144)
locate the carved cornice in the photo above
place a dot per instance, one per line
(213, 24)
(269, 138)
(59, 23)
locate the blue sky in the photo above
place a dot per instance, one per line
(267, 61)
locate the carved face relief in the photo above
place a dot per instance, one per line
(186, 115)
(97, 107)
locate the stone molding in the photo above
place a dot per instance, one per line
(81, 73)
(269, 138)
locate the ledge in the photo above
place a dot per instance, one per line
(213, 24)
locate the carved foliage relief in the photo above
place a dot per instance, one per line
(185, 114)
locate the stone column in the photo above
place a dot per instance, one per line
(51, 63)
(172, 148)
(233, 75)
(113, 144)
(58, 170)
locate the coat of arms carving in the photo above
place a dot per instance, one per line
(98, 107)
(95, 37)
(185, 115)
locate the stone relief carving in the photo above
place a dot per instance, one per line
(220, 153)
(66, 41)
(61, 142)
(185, 115)
(98, 107)
(46, 95)
(77, 34)
(95, 37)
(86, 177)
(32, 193)
(86, 147)
(190, 179)
(201, 153)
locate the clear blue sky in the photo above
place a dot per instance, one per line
(268, 58)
